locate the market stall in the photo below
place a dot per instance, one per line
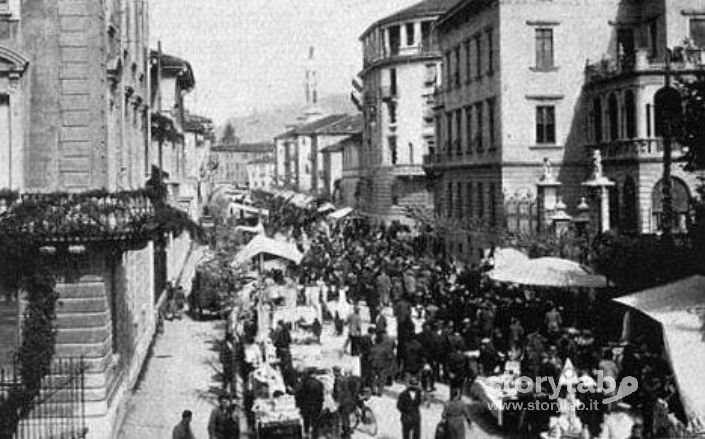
(275, 412)
(679, 308)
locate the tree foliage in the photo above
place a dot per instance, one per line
(692, 133)
(229, 137)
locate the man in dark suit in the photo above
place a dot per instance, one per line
(408, 405)
(309, 399)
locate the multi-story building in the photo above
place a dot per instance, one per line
(400, 63)
(618, 102)
(351, 181)
(198, 138)
(348, 130)
(299, 153)
(512, 108)
(260, 173)
(232, 161)
(75, 82)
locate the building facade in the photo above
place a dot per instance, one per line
(401, 60)
(75, 117)
(512, 115)
(299, 153)
(618, 101)
(232, 161)
(260, 173)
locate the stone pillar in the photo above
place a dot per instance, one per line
(417, 33)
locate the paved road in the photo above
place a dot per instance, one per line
(183, 373)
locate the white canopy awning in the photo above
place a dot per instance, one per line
(261, 244)
(249, 209)
(680, 309)
(341, 213)
(327, 207)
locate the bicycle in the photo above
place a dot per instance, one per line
(363, 418)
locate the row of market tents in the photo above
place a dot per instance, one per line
(678, 307)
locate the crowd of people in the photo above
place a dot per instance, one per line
(470, 327)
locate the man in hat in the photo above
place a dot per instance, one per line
(384, 286)
(408, 405)
(221, 424)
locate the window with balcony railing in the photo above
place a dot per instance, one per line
(394, 40)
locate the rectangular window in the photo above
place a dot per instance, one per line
(449, 196)
(545, 124)
(491, 123)
(479, 132)
(392, 142)
(544, 48)
(490, 53)
(430, 78)
(697, 31)
(459, 197)
(648, 120)
(446, 69)
(456, 67)
(493, 204)
(653, 39)
(410, 38)
(470, 211)
(468, 62)
(468, 129)
(392, 108)
(478, 57)
(458, 131)
(426, 34)
(394, 40)
(393, 81)
(480, 201)
(449, 132)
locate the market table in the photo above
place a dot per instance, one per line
(489, 391)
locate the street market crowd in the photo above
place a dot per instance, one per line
(455, 326)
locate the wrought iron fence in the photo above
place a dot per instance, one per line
(57, 411)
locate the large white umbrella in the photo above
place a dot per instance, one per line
(508, 256)
(549, 272)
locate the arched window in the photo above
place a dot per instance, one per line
(614, 117)
(680, 195)
(630, 114)
(630, 213)
(597, 119)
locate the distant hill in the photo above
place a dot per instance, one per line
(265, 125)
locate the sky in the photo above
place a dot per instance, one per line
(251, 55)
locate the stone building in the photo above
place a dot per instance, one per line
(74, 116)
(232, 161)
(299, 153)
(517, 102)
(618, 99)
(260, 173)
(351, 181)
(400, 64)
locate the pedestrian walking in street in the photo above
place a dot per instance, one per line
(221, 424)
(455, 413)
(354, 322)
(182, 430)
(309, 399)
(408, 404)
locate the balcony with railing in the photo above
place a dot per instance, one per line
(426, 47)
(683, 59)
(634, 149)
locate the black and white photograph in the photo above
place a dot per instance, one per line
(352, 219)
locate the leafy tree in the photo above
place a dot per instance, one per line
(692, 134)
(228, 137)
